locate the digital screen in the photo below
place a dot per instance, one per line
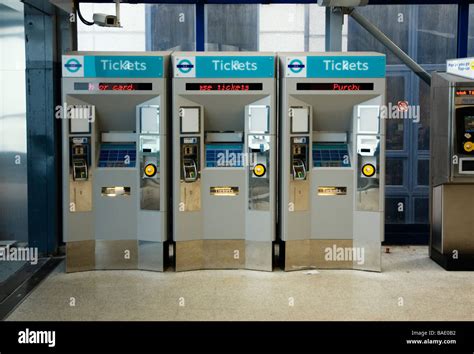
(113, 86)
(469, 124)
(464, 93)
(467, 165)
(206, 86)
(335, 86)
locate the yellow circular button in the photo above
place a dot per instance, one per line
(368, 170)
(259, 170)
(468, 146)
(150, 170)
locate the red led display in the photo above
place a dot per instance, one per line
(113, 86)
(335, 86)
(196, 86)
(124, 86)
(464, 92)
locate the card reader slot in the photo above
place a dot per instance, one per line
(299, 170)
(189, 170)
(79, 169)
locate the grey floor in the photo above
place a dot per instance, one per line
(411, 287)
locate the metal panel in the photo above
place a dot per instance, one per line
(13, 151)
(324, 225)
(458, 219)
(437, 218)
(368, 239)
(150, 255)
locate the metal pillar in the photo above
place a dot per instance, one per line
(43, 182)
(463, 29)
(49, 33)
(200, 26)
(334, 21)
(307, 27)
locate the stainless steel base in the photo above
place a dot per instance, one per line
(319, 254)
(120, 254)
(452, 222)
(223, 254)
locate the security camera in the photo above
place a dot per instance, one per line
(104, 20)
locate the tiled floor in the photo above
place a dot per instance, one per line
(411, 287)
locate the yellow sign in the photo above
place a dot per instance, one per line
(150, 170)
(368, 170)
(468, 146)
(259, 170)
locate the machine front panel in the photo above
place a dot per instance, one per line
(332, 165)
(224, 164)
(114, 153)
(452, 170)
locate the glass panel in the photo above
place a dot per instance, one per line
(437, 28)
(282, 28)
(131, 37)
(315, 41)
(424, 127)
(394, 172)
(170, 26)
(395, 210)
(231, 27)
(423, 178)
(292, 27)
(393, 20)
(422, 210)
(470, 49)
(395, 127)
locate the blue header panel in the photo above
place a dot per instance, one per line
(222, 67)
(342, 66)
(112, 66)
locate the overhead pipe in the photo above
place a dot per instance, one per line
(387, 42)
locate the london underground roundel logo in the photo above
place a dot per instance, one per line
(296, 66)
(73, 65)
(185, 66)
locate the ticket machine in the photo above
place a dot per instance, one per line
(224, 160)
(331, 160)
(115, 160)
(452, 166)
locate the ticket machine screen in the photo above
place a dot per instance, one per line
(465, 130)
(469, 124)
